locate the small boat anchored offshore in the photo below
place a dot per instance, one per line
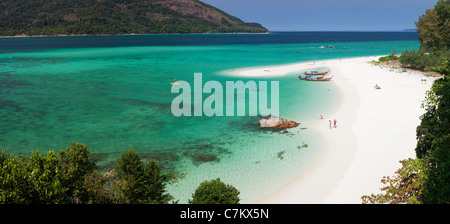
(314, 78)
(316, 73)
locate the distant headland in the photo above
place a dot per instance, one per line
(111, 17)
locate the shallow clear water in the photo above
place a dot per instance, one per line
(116, 96)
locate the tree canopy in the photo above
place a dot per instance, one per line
(51, 179)
(434, 27)
(215, 192)
(141, 183)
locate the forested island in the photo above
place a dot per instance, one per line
(110, 17)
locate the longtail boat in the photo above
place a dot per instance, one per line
(314, 78)
(316, 73)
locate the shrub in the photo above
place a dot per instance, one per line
(215, 192)
(385, 58)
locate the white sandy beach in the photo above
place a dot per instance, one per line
(376, 129)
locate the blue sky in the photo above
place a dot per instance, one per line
(327, 15)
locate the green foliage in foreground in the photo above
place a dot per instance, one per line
(70, 177)
(141, 183)
(215, 192)
(55, 178)
(407, 185)
(391, 57)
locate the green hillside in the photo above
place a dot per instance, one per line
(76, 17)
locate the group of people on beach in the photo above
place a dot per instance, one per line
(423, 81)
(334, 122)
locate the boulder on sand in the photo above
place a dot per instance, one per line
(277, 123)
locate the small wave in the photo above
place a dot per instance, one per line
(322, 47)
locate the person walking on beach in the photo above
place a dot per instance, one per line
(330, 123)
(335, 123)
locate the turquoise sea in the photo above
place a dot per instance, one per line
(113, 93)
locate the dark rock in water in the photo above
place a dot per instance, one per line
(280, 154)
(204, 159)
(277, 123)
(302, 146)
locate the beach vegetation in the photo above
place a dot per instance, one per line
(385, 58)
(406, 186)
(394, 54)
(423, 60)
(433, 138)
(215, 192)
(434, 37)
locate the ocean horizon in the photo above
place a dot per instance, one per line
(112, 93)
